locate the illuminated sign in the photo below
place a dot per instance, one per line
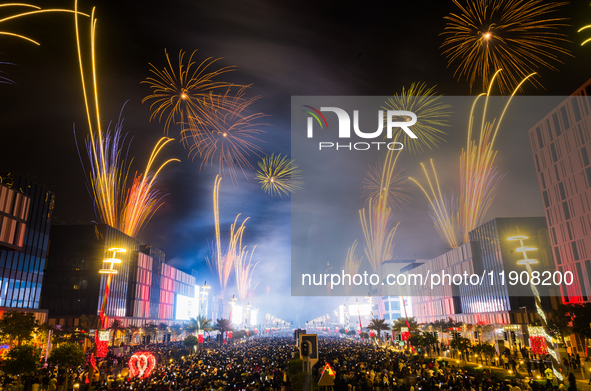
(186, 308)
(141, 364)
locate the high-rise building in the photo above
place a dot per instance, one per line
(561, 144)
(144, 290)
(25, 221)
(491, 254)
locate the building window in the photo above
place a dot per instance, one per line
(540, 140)
(561, 191)
(566, 211)
(585, 157)
(575, 104)
(557, 256)
(546, 199)
(575, 251)
(543, 180)
(564, 118)
(556, 124)
(553, 153)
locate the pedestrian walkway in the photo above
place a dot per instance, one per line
(581, 384)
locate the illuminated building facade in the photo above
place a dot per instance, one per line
(561, 144)
(74, 286)
(25, 221)
(491, 302)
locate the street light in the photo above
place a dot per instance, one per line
(528, 262)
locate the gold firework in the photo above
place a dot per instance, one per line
(431, 114)
(35, 10)
(243, 271)
(179, 93)
(108, 169)
(223, 263)
(226, 132)
(278, 175)
(398, 190)
(376, 224)
(479, 179)
(517, 36)
(352, 263)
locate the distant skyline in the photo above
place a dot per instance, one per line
(284, 49)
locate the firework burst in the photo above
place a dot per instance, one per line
(179, 93)
(226, 132)
(278, 175)
(517, 36)
(375, 184)
(431, 114)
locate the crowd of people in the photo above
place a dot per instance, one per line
(266, 363)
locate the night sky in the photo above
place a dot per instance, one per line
(283, 49)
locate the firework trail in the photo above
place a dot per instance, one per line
(142, 199)
(278, 175)
(36, 10)
(243, 271)
(352, 263)
(444, 212)
(376, 225)
(431, 114)
(127, 211)
(479, 178)
(517, 36)
(585, 28)
(226, 132)
(223, 263)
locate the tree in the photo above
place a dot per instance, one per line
(18, 325)
(197, 324)
(87, 323)
(223, 325)
(22, 360)
(130, 331)
(378, 325)
(176, 330)
(66, 355)
(190, 342)
(364, 335)
(116, 325)
(342, 330)
(462, 345)
(401, 323)
(351, 333)
(484, 350)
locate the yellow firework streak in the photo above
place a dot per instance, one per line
(432, 114)
(243, 271)
(127, 211)
(224, 263)
(37, 10)
(517, 36)
(376, 224)
(479, 178)
(352, 263)
(278, 175)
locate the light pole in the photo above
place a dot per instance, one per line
(203, 293)
(528, 262)
(109, 271)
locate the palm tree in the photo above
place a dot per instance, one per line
(197, 324)
(163, 328)
(116, 325)
(378, 325)
(176, 330)
(409, 323)
(223, 325)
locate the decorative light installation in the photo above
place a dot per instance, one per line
(541, 331)
(141, 364)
